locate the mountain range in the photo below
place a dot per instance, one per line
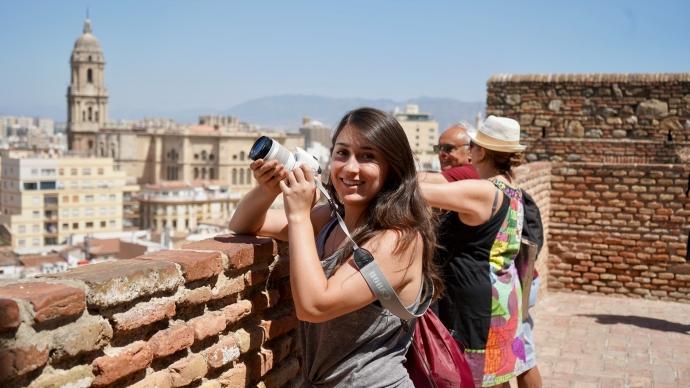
(286, 111)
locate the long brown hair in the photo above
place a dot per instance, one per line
(399, 205)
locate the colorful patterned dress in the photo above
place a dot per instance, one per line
(482, 303)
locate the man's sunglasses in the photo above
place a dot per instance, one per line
(448, 148)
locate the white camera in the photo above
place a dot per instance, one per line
(268, 149)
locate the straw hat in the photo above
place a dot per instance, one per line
(499, 134)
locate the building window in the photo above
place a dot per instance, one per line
(241, 155)
(234, 176)
(73, 171)
(86, 171)
(36, 214)
(102, 224)
(75, 225)
(196, 156)
(65, 198)
(65, 226)
(249, 175)
(196, 172)
(89, 224)
(210, 173)
(88, 198)
(89, 76)
(22, 229)
(90, 114)
(95, 116)
(75, 198)
(203, 155)
(211, 157)
(203, 173)
(241, 176)
(111, 223)
(22, 243)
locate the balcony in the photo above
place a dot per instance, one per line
(49, 216)
(50, 202)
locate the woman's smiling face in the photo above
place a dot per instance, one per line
(358, 171)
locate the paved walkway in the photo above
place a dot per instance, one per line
(597, 341)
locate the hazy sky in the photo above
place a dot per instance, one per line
(163, 56)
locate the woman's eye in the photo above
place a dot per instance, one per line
(368, 157)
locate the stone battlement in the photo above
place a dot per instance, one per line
(219, 310)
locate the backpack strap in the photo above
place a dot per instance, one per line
(364, 261)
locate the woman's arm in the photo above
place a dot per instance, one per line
(253, 215)
(319, 299)
(471, 198)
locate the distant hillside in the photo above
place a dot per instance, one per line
(286, 111)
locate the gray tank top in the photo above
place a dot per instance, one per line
(365, 348)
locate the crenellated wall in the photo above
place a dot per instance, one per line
(217, 313)
(620, 148)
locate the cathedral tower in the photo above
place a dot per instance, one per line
(87, 97)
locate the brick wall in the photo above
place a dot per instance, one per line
(218, 313)
(617, 229)
(620, 147)
(535, 179)
(642, 118)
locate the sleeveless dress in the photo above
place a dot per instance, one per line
(365, 348)
(482, 303)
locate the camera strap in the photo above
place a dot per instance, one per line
(375, 278)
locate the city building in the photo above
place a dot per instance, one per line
(45, 198)
(156, 150)
(181, 207)
(422, 133)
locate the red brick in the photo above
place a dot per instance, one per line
(50, 301)
(88, 334)
(259, 363)
(21, 360)
(256, 276)
(169, 341)
(144, 314)
(222, 353)
(226, 287)
(160, 379)
(264, 300)
(195, 265)
(236, 311)
(235, 377)
(130, 359)
(277, 327)
(187, 370)
(207, 325)
(242, 251)
(9, 315)
(115, 282)
(196, 296)
(281, 375)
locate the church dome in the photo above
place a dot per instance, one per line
(87, 42)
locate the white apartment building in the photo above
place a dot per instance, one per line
(46, 198)
(422, 133)
(182, 206)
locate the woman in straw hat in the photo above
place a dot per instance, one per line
(479, 237)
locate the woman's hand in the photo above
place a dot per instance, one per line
(299, 194)
(268, 174)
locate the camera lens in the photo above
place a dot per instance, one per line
(260, 148)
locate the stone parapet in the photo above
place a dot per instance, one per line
(613, 118)
(212, 314)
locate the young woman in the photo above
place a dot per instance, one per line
(347, 339)
(479, 238)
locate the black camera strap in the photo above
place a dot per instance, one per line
(375, 278)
